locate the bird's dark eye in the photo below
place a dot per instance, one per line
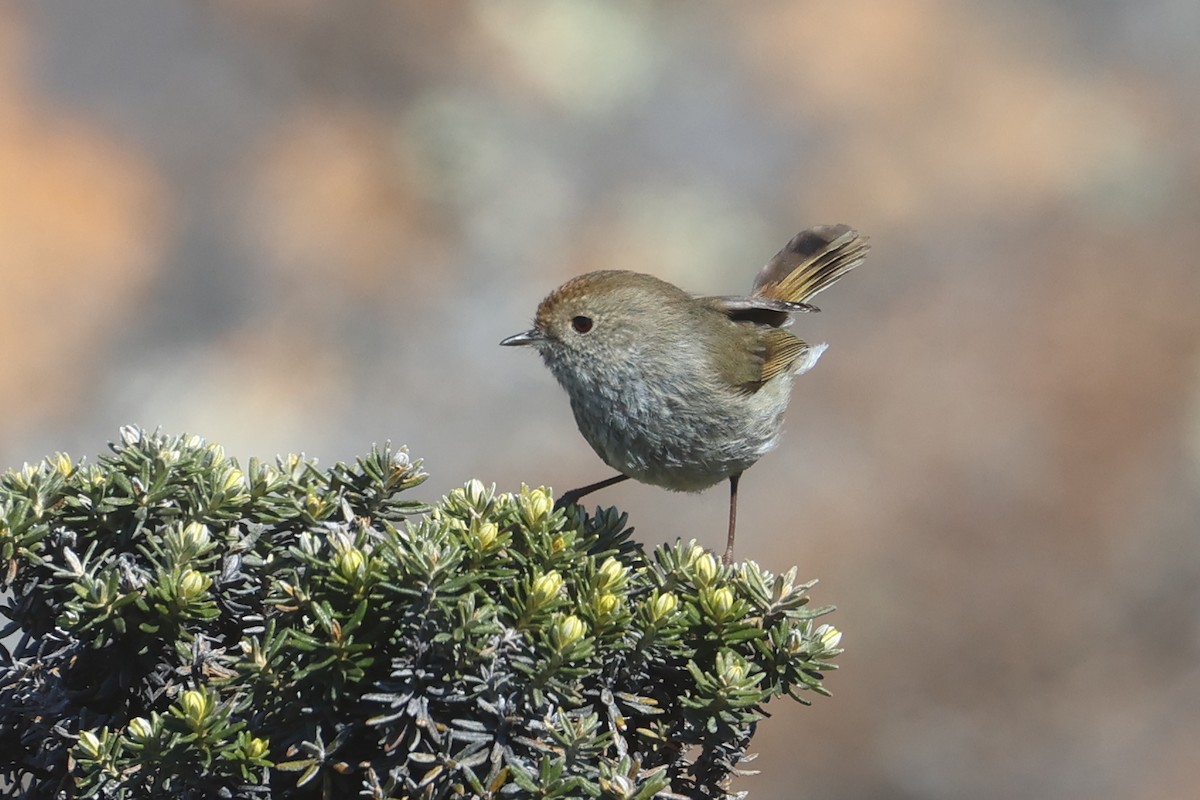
(581, 324)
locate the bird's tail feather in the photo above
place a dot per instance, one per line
(812, 261)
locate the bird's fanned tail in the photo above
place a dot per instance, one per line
(812, 261)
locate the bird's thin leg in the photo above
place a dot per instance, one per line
(572, 497)
(733, 483)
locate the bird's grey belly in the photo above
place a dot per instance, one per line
(681, 440)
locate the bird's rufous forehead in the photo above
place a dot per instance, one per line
(593, 291)
(570, 296)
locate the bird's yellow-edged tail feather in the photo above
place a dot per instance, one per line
(812, 261)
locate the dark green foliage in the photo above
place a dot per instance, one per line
(178, 626)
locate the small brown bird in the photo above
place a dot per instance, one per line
(681, 391)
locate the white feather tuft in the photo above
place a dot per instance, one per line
(809, 360)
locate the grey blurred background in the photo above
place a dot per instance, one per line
(292, 225)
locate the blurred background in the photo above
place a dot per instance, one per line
(293, 225)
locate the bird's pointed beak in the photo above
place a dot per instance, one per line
(531, 336)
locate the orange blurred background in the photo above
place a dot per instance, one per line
(304, 226)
